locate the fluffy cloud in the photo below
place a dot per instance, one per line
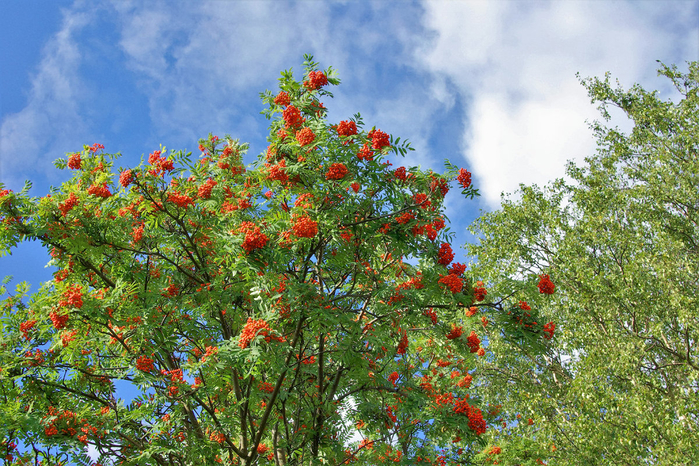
(142, 74)
(200, 65)
(51, 120)
(515, 64)
(493, 82)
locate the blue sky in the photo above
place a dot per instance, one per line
(489, 85)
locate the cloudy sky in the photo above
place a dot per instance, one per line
(489, 85)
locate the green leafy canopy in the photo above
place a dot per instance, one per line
(621, 383)
(263, 314)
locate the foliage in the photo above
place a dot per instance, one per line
(262, 315)
(620, 385)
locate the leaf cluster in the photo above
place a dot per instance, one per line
(620, 384)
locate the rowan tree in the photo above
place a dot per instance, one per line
(620, 383)
(303, 310)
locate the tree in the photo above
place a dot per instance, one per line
(263, 315)
(620, 384)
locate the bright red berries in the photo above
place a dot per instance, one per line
(304, 201)
(454, 283)
(473, 342)
(465, 382)
(278, 172)
(99, 191)
(265, 387)
(337, 171)
(282, 99)
(68, 205)
(365, 153)
(292, 117)
(439, 184)
(475, 416)
(346, 128)
(254, 238)
(393, 377)
(479, 291)
(160, 164)
(422, 200)
(400, 173)
(59, 320)
(95, 147)
(74, 296)
(171, 290)
(432, 315)
(126, 178)
(379, 139)
(455, 332)
(74, 161)
(252, 329)
(181, 200)
(316, 80)
(305, 136)
(545, 285)
(25, 327)
(403, 344)
(405, 218)
(464, 178)
(144, 364)
(262, 449)
(137, 233)
(210, 351)
(457, 269)
(204, 191)
(446, 255)
(548, 330)
(304, 227)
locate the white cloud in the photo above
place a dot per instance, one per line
(92, 452)
(515, 64)
(510, 65)
(51, 119)
(198, 67)
(202, 65)
(526, 142)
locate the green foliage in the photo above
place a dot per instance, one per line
(262, 315)
(621, 383)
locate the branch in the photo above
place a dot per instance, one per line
(275, 393)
